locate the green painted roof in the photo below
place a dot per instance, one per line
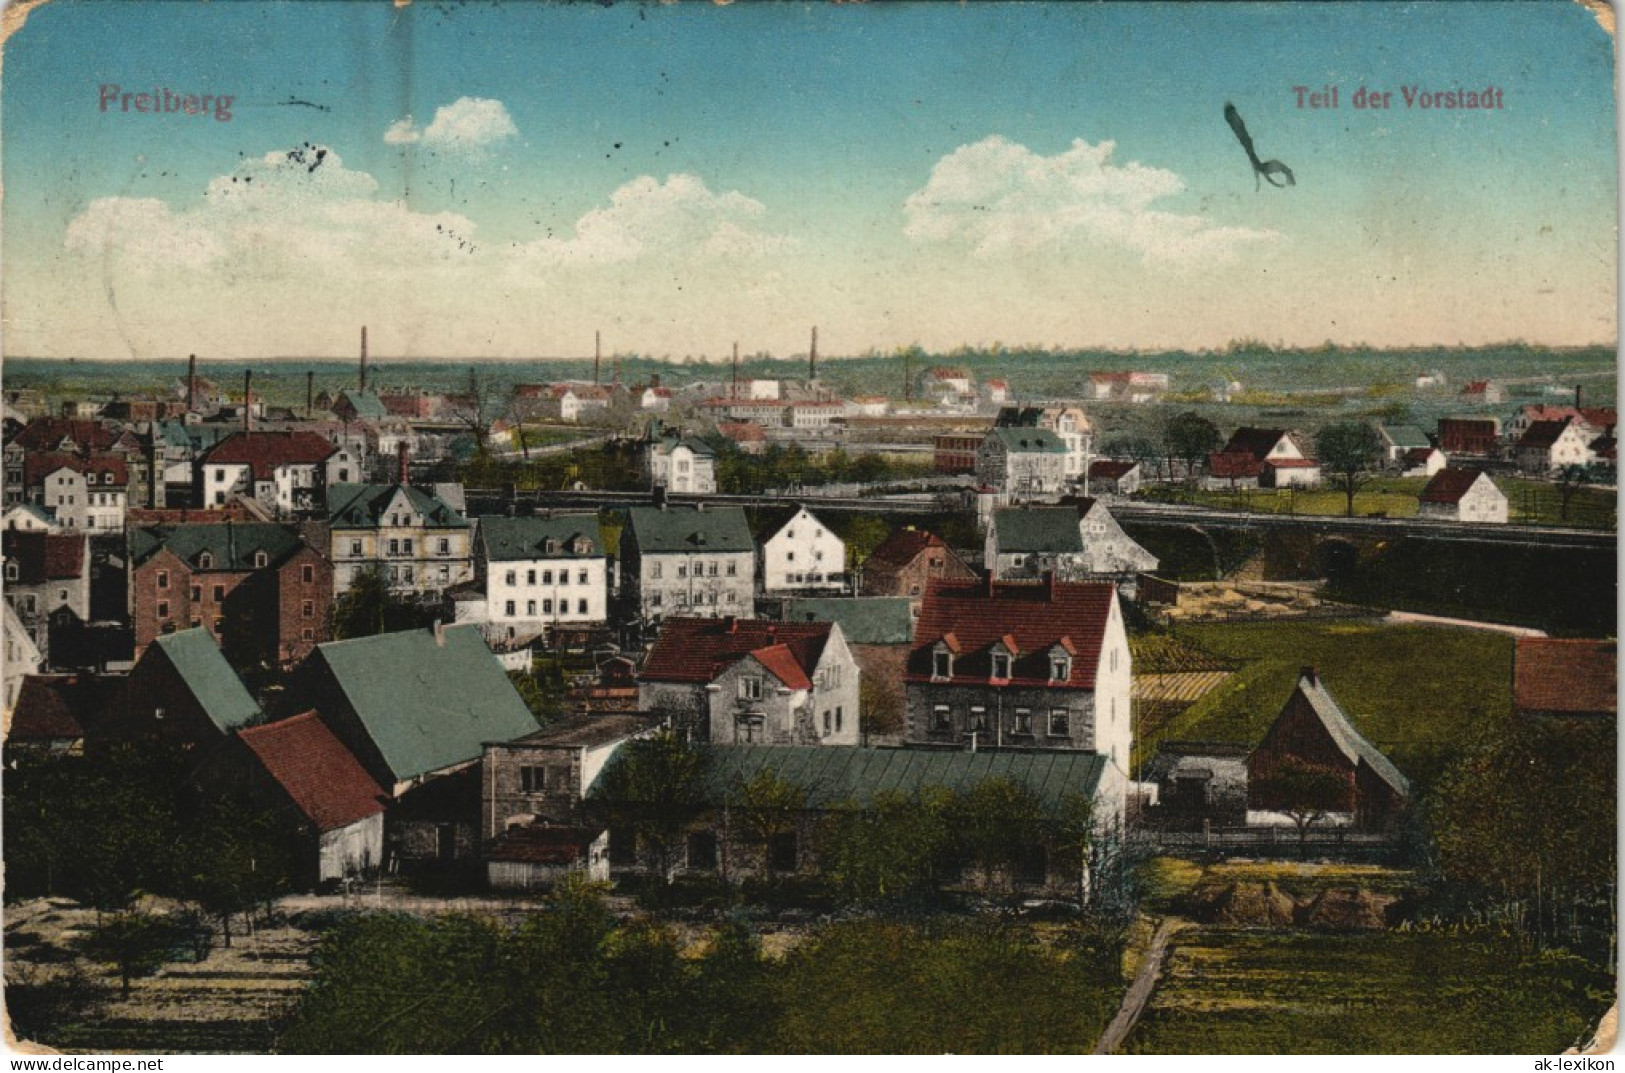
(866, 620)
(836, 775)
(173, 434)
(507, 539)
(233, 545)
(197, 659)
(362, 506)
(685, 529)
(425, 705)
(1031, 440)
(1406, 436)
(1030, 530)
(366, 403)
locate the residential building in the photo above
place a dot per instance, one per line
(687, 561)
(411, 535)
(1069, 423)
(1313, 732)
(1289, 473)
(678, 462)
(88, 492)
(1462, 495)
(1023, 462)
(261, 592)
(1076, 541)
(814, 413)
(359, 406)
(908, 561)
(1487, 392)
(1566, 678)
(948, 387)
(655, 399)
(539, 573)
(413, 705)
(183, 691)
(749, 436)
(746, 681)
(802, 554)
(1549, 446)
(284, 471)
(22, 656)
(1198, 783)
(334, 810)
(1037, 665)
(1232, 470)
(1133, 387)
(542, 779)
(955, 452)
(50, 713)
(880, 632)
(1114, 477)
(47, 583)
(1478, 437)
(1264, 444)
(1422, 462)
(30, 518)
(1397, 440)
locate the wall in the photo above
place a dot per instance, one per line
(349, 850)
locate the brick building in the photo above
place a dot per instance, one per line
(908, 561)
(183, 690)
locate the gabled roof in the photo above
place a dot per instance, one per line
(683, 529)
(1258, 442)
(266, 452)
(1029, 440)
(1542, 434)
(697, 650)
(904, 546)
(1110, 469)
(212, 682)
(1037, 615)
(362, 506)
(864, 620)
(1565, 676)
(42, 557)
(1406, 436)
(779, 661)
(1018, 417)
(1419, 455)
(36, 467)
(44, 710)
(48, 433)
(1601, 418)
(1038, 530)
(514, 539)
(1449, 485)
(782, 520)
(838, 776)
(1233, 464)
(366, 404)
(231, 546)
(1350, 742)
(321, 776)
(427, 704)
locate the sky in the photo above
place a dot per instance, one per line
(505, 180)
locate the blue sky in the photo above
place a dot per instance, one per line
(503, 180)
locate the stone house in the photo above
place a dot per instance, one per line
(419, 541)
(687, 561)
(801, 554)
(541, 573)
(1023, 462)
(908, 561)
(541, 779)
(1042, 665)
(1549, 446)
(1313, 731)
(1198, 783)
(754, 681)
(47, 576)
(1114, 477)
(259, 589)
(1462, 495)
(89, 492)
(1076, 541)
(1069, 423)
(677, 462)
(880, 632)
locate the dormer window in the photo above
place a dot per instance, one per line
(1001, 665)
(942, 663)
(552, 547)
(1060, 668)
(260, 560)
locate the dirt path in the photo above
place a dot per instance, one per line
(1139, 991)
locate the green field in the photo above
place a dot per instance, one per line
(1419, 693)
(1234, 991)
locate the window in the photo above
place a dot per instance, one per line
(197, 593)
(533, 780)
(512, 577)
(564, 577)
(547, 607)
(733, 598)
(942, 663)
(581, 577)
(308, 609)
(530, 607)
(654, 600)
(394, 546)
(219, 594)
(260, 559)
(547, 577)
(581, 607)
(682, 569)
(444, 547)
(733, 569)
(789, 556)
(1114, 659)
(940, 718)
(829, 722)
(406, 546)
(163, 609)
(1001, 665)
(750, 688)
(1060, 669)
(1024, 721)
(682, 599)
(219, 474)
(978, 718)
(307, 573)
(837, 719)
(306, 634)
(1060, 723)
(655, 570)
(355, 547)
(163, 579)
(445, 572)
(508, 608)
(713, 570)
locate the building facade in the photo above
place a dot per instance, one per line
(802, 554)
(410, 535)
(687, 561)
(539, 573)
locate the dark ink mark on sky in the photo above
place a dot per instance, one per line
(1262, 169)
(292, 101)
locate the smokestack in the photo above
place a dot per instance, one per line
(310, 392)
(363, 359)
(736, 371)
(1579, 395)
(597, 354)
(248, 400)
(1310, 675)
(908, 381)
(654, 380)
(403, 457)
(812, 357)
(191, 383)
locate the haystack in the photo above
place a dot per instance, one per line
(1348, 909)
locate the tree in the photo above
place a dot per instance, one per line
(997, 826)
(370, 607)
(1138, 448)
(545, 700)
(1305, 792)
(654, 789)
(879, 706)
(1350, 452)
(1190, 437)
(768, 806)
(894, 848)
(230, 860)
(135, 944)
(1570, 479)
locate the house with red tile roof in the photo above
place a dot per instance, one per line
(1462, 495)
(334, 808)
(84, 491)
(751, 681)
(1566, 677)
(47, 579)
(908, 561)
(282, 470)
(1025, 665)
(1548, 446)
(1229, 470)
(1485, 391)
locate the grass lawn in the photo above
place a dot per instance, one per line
(1419, 693)
(1234, 991)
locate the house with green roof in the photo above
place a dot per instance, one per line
(695, 561)
(1399, 439)
(540, 573)
(359, 406)
(678, 462)
(880, 631)
(1023, 462)
(414, 705)
(182, 689)
(411, 535)
(1077, 541)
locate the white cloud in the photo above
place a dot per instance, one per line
(680, 217)
(1001, 197)
(467, 125)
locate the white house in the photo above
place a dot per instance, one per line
(1422, 462)
(282, 470)
(655, 399)
(1463, 495)
(83, 494)
(30, 518)
(1553, 445)
(679, 463)
(803, 554)
(813, 414)
(541, 572)
(1023, 461)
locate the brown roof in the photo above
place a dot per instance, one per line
(1565, 677)
(43, 711)
(1599, 417)
(1233, 464)
(47, 433)
(1110, 469)
(1258, 442)
(321, 776)
(1419, 455)
(972, 616)
(699, 649)
(1542, 434)
(1449, 485)
(43, 557)
(36, 467)
(904, 546)
(543, 845)
(265, 452)
(1292, 463)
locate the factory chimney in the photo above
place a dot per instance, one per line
(191, 383)
(812, 358)
(363, 359)
(597, 354)
(248, 400)
(310, 393)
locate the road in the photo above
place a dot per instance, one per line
(1139, 991)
